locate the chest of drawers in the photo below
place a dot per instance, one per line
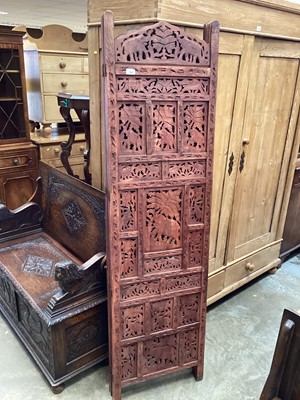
(50, 150)
(53, 63)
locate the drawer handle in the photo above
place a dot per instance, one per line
(62, 65)
(56, 150)
(16, 161)
(82, 148)
(249, 267)
(64, 83)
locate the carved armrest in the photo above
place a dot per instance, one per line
(19, 221)
(74, 280)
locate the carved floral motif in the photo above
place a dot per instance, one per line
(164, 127)
(195, 125)
(128, 362)
(133, 321)
(150, 86)
(163, 219)
(160, 353)
(131, 128)
(162, 43)
(128, 257)
(38, 265)
(161, 313)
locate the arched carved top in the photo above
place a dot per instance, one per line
(162, 43)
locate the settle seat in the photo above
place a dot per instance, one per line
(283, 382)
(52, 275)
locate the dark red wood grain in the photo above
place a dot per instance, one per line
(159, 105)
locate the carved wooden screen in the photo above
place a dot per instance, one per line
(159, 104)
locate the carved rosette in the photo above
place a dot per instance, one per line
(159, 94)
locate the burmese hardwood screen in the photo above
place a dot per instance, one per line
(159, 103)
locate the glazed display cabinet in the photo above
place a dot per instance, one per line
(18, 156)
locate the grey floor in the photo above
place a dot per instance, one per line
(241, 335)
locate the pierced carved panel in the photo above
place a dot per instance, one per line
(140, 290)
(164, 127)
(160, 354)
(195, 126)
(166, 86)
(133, 321)
(183, 282)
(128, 257)
(195, 245)
(163, 219)
(196, 204)
(162, 43)
(161, 314)
(189, 346)
(138, 171)
(128, 362)
(128, 210)
(187, 169)
(162, 264)
(189, 309)
(132, 128)
(160, 88)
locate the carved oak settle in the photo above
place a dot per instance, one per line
(52, 278)
(159, 104)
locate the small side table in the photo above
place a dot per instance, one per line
(80, 104)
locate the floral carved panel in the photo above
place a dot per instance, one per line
(159, 96)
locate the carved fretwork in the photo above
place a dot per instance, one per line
(162, 43)
(159, 97)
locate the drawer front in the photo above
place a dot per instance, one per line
(76, 164)
(52, 113)
(251, 264)
(15, 160)
(52, 152)
(61, 63)
(215, 284)
(55, 83)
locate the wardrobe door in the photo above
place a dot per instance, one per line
(267, 135)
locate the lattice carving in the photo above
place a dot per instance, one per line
(189, 346)
(195, 244)
(128, 210)
(159, 93)
(175, 283)
(163, 219)
(164, 127)
(196, 198)
(161, 315)
(128, 257)
(162, 43)
(133, 321)
(138, 171)
(131, 128)
(140, 290)
(189, 309)
(191, 169)
(128, 362)
(166, 86)
(160, 353)
(162, 264)
(195, 125)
